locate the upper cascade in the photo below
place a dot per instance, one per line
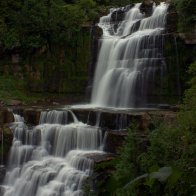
(130, 60)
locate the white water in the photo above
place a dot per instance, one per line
(130, 60)
(57, 117)
(51, 159)
(18, 118)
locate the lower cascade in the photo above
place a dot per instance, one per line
(51, 158)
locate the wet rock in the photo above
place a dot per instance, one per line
(104, 165)
(85, 116)
(6, 116)
(96, 33)
(145, 122)
(100, 158)
(32, 116)
(2, 175)
(166, 117)
(172, 19)
(164, 106)
(6, 138)
(2, 190)
(114, 141)
(189, 38)
(118, 15)
(147, 7)
(175, 108)
(2, 104)
(113, 120)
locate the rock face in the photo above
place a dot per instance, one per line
(102, 170)
(32, 116)
(64, 71)
(146, 7)
(190, 38)
(172, 19)
(114, 141)
(119, 120)
(6, 116)
(6, 137)
(96, 33)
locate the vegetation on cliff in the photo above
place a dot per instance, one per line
(187, 14)
(167, 165)
(46, 44)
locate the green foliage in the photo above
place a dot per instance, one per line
(187, 14)
(150, 183)
(128, 157)
(167, 166)
(190, 94)
(49, 37)
(117, 2)
(35, 23)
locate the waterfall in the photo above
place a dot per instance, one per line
(18, 118)
(55, 116)
(2, 148)
(130, 62)
(52, 157)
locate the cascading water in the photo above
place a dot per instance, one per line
(51, 158)
(130, 61)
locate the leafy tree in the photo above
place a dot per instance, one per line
(167, 166)
(187, 14)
